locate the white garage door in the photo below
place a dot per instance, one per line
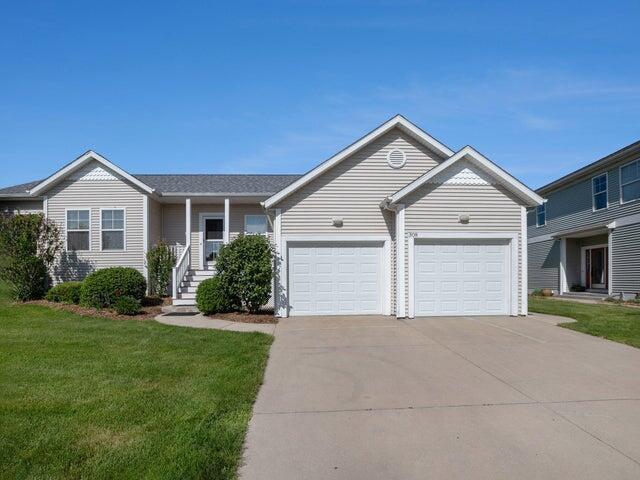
(462, 278)
(332, 278)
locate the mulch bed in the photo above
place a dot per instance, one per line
(263, 316)
(150, 308)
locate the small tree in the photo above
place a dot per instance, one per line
(160, 262)
(245, 270)
(31, 244)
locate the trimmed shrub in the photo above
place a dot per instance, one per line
(211, 297)
(160, 262)
(29, 244)
(245, 269)
(126, 305)
(103, 287)
(67, 292)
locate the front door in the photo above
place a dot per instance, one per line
(597, 268)
(212, 239)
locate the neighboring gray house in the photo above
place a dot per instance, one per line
(396, 223)
(587, 233)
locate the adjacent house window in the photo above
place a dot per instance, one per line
(255, 224)
(112, 223)
(78, 230)
(541, 215)
(630, 181)
(599, 185)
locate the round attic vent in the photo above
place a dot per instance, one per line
(396, 158)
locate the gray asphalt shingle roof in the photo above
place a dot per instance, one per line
(235, 183)
(196, 183)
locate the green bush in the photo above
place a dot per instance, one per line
(67, 292)
(103, 287)
(29, 245)
(160, 262)
(211, 298)
(245, 269)
(127, 305)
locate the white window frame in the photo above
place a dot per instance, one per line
(593, 192)
(124, 229)
(543, 205)
(266, 223)
(637, 160)
(66, 229)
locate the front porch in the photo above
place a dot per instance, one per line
(195, 228)
(585, 261)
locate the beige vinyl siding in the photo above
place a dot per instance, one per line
(436, 207)
(353, 190)
(94, 195)
(21, 206)
(154, 214)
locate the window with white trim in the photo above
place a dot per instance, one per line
(599, 188)
(630, 181)
(112, 231)
(255, 224)
(541, 215)
(78, 230)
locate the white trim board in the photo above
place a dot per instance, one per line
(473, 156)
(397, 121)
(385, 285)
(512, 237)
(524, 266)
(79, 162)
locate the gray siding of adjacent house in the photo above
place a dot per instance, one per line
(626, 259)
(93, 192)
(571, 207)
(544, 259)
(20, 206)
(353, 190)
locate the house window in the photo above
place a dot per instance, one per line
(255, 224)
(541, 215)
(112, 223)
(630, 181)
(78, 230)
(599, 185)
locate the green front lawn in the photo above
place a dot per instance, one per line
(94, 398)
(615, 322)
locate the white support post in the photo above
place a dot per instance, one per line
(225, 237)
(563, 266)
(524, 267)
(610, 263)
(400, 273)
(187, 222)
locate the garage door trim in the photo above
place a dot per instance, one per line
(511, 237)
(385, 240)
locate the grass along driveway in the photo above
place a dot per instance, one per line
(94, 398)
(614, 322)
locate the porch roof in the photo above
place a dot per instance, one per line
(585, 231)
(217, 184)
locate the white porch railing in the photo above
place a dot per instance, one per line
(180, 270)
(176, 249)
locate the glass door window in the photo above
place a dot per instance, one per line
(597, 267)
(213, 235)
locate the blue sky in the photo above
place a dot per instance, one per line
(276, 87)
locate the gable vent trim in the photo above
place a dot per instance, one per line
(396, 158)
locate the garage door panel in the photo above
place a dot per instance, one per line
(342, 279)
(461, 278)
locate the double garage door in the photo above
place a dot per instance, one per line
(456, 277)
(461, 278)
(335, 278)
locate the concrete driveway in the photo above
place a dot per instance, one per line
(451, 398)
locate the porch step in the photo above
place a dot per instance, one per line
(184, 302)
(585, 295)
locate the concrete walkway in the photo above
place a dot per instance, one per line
(444, 398)
(197, 320)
